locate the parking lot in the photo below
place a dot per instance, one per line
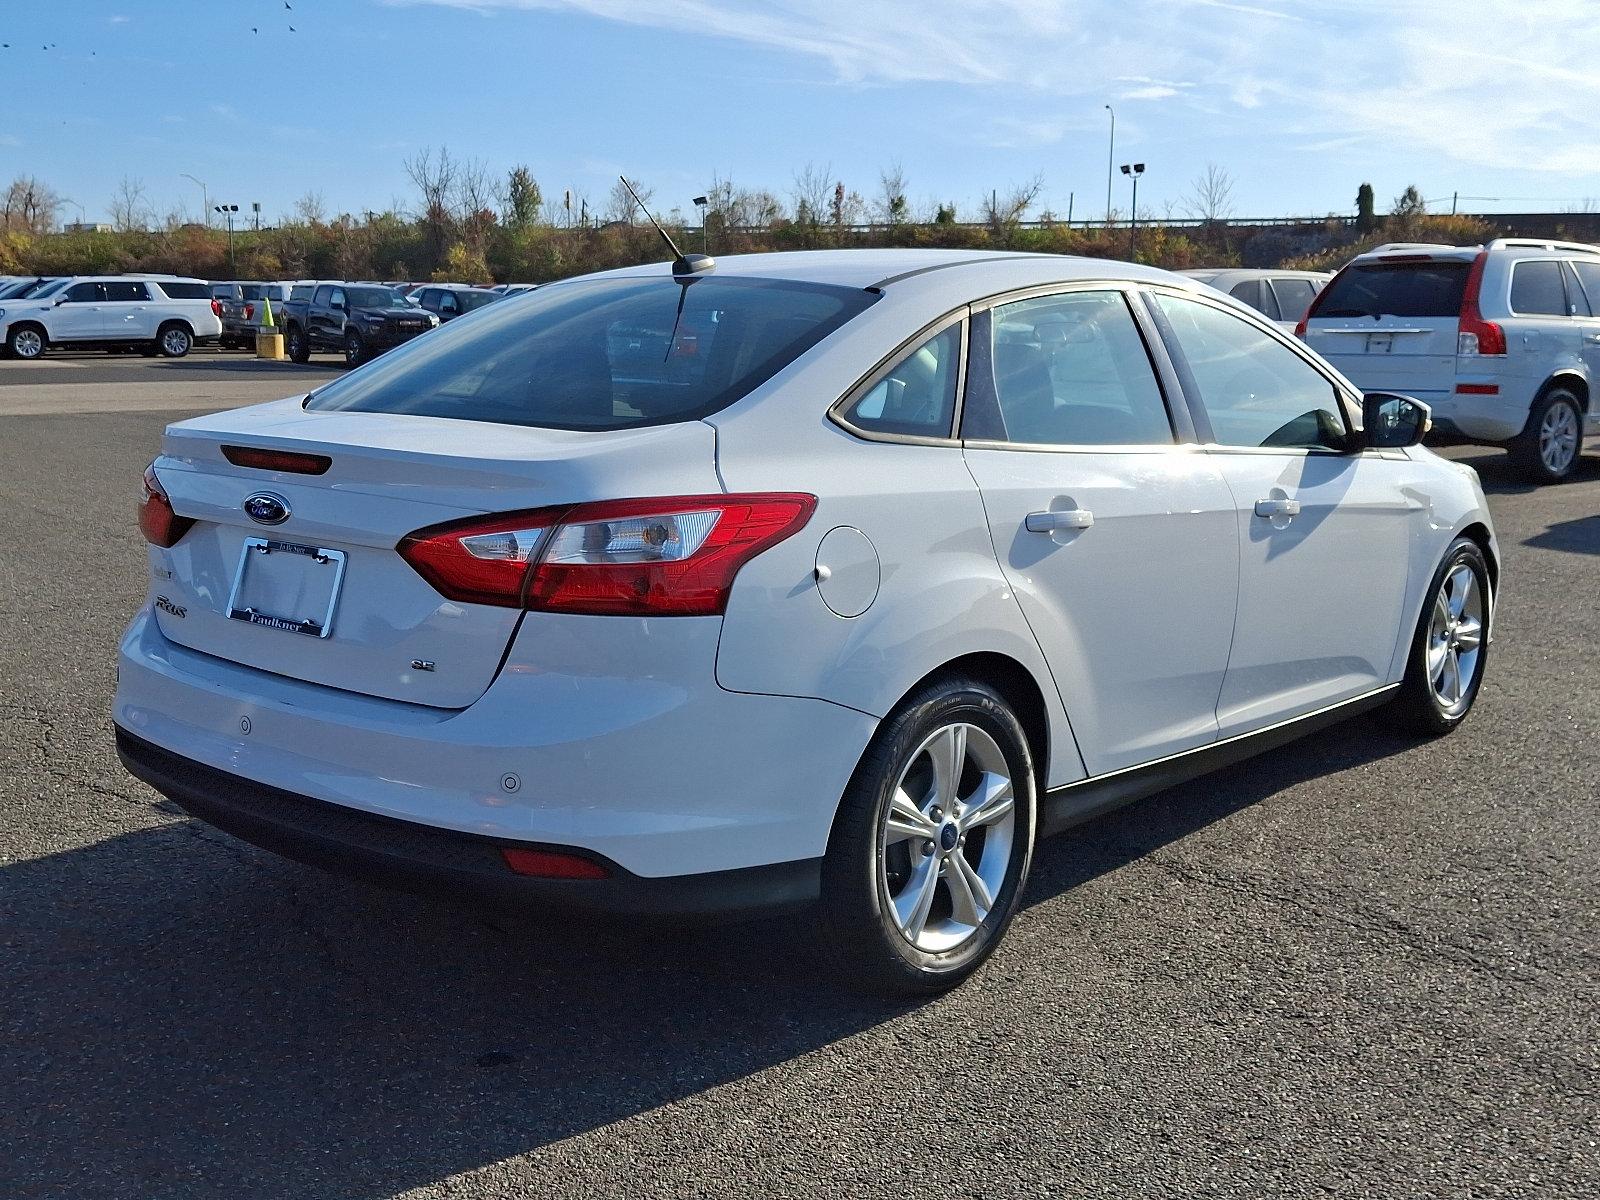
(1362, 965)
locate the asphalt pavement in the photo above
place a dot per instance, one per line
(1362, 965)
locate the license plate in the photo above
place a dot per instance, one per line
(284, 585)
(410, 324)
(1380, 343)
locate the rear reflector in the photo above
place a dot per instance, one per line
(665, 556)
(159, 524)
(1478, 389)
(277, 460)
(547, 864)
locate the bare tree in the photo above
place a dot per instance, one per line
(1210, 196)
(311, 209)
(473, 200)
(130, 208)
(620, 205)
(893, 208)
(1003, 213)
(29, 206)
(433, 173)
(811, 194)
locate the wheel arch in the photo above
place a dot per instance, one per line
(1017, 685)
(1571, 379)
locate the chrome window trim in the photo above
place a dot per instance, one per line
(903, 351)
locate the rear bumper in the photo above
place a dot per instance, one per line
(430, 861)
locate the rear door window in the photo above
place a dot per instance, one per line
(1255, 293)
(604, 353)
(1537, 289)
(1398, 289)
(1294, 297)
(119, 289)
(1070, 370)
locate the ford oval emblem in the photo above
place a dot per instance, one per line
(266, 509)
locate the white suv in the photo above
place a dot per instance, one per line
(162, 314)
(1501, 341)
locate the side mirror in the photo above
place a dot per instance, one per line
(1391, 422)
(60, 300)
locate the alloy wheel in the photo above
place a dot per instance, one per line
(175, 342)
(27, 343)
(1455, 639)
(1558, 437)
(947, 836)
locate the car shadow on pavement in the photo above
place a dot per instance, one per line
(186, 1015)
(1500, 478)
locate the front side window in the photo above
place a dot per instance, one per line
(1071, 370)
(917, 397)
(336, 298)
(83, 293)
(1537, 290)
(604, 353)
(1256, 391)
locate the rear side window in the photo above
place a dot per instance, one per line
(1254, 293)
(1407, 289)
(1294, 297)
(917, 396)
(1071, 370)
(1256, 391)
(1537, 290)
(1588, 274)
(603, 353)
(177, 290)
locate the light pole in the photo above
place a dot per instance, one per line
(1111, 157)
(205, 200)
(227, 210)
(1135, 170)
(701, 202)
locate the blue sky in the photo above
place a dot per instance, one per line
(1299, 101)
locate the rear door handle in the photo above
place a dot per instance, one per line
(1050, 522)
(1277, 508)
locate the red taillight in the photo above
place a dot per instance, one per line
(277, 460)
(548, 864)
(216, 307)
(249, 312)
(1316, 303)
(1477, 337)
(159, 524)
(661, 556)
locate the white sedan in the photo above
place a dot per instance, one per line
(828, 578)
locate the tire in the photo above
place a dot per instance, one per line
(174, 339)
(1453, 629)
(296, 345)
(1547, 449)
(355, 348)
(900, 910)
(27, 342)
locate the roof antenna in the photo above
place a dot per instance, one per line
(682, 264)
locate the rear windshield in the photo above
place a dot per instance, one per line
(472, 300)
(176, 290)
(254, 291)
(372, 297)
(1410, 289)
(603, 353)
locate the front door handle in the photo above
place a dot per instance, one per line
(1051, 522)
(1277, 508)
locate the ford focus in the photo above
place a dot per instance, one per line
(828, 580)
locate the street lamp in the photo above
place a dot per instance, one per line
(1111, 157)
(227, 210)
(205, 200)
(1134, 170)
(701, 202)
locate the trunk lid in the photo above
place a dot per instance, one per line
(389, 476)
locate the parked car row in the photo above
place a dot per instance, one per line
(156, 314)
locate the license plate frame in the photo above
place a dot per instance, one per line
(319, 623)
(1380, 343)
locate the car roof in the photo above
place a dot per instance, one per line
(884, 268)
(1206, 274)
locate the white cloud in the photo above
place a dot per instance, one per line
(1486, 83)
(119, 20)
(10, 139)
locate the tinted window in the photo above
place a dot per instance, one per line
(918, 395)
(225, 291)
(1072, 370)
(448, 303)
(254, 291)
(428, 298)
(1421, 289)
(372, 297)
(184, 291)
(126, 290)
(302, 291)
(1256, 390)
(472, 300)
(1536, 289)
(324, 294)
(1294, 297)
(81, 293)
(1254, 293)
(603, 354)
(1589, 276)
